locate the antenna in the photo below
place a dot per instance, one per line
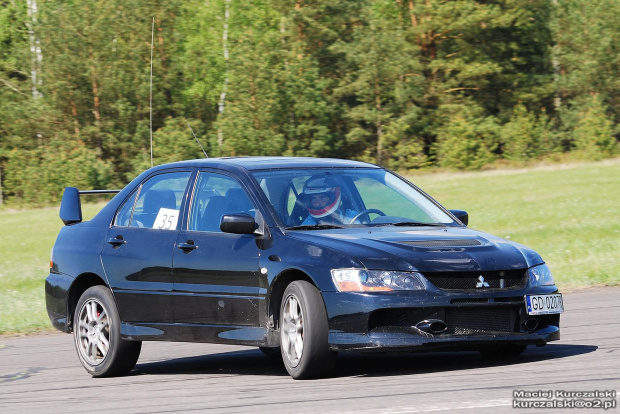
(196, 138)
(151, 90)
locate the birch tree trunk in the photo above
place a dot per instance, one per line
(222, 102)
(35, 48)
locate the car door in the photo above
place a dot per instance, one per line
(137, 257)
(216, 274)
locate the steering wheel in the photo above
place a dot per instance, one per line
(366, 213)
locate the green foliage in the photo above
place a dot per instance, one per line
(526, 136)
(378, 86)
(248, 121)
(466, 142)
(593, 136)
(96, 73)
(406, 151)
(587, 35)
(403, 83)
(40, 175)
(175, 141)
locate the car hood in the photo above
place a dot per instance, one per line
(424, 249)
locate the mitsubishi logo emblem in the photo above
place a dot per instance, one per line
(481, 283)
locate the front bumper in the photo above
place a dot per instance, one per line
(413, 341)
(473, 319)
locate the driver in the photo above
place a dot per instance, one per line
(323, 200)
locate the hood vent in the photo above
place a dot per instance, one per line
(443, 243)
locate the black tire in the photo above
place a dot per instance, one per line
(503, 351)
(304, 332)
(97, 336)
(270, 352)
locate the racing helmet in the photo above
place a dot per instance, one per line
(321, 185)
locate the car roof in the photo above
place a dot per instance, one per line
(267, 163)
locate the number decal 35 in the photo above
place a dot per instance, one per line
(166, 219)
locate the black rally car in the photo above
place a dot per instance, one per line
(311, 256)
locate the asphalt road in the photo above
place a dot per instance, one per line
(42, 374)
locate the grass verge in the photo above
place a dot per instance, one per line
(26, 240)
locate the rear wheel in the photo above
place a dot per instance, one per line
(504, 350)
(96, 330)
(304, 332)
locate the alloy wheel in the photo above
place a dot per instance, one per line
(93, 336)
(292, 331)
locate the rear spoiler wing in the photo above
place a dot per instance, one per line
(71, 206)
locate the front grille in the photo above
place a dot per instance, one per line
(469, 301)
(467, 321)
(505, 279)
(443, 243)
(461, 320)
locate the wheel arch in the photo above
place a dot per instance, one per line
(78, 287)
(278, 287)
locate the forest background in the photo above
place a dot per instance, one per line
(408, 84)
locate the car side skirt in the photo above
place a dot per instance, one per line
(217, 334)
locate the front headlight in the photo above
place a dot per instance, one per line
(541, 276)
(362, 280)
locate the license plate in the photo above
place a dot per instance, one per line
(544, 304)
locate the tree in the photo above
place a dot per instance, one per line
(483, 57)
(40, 175)
(587, 35)
(247, 124)
(97, 73)
(382, 82)
(468, 140)
(527, 136)
(593, 136)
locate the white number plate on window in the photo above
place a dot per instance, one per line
(166, 219)
(544, 304)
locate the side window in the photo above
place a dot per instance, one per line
(158, 203)
(216, 195)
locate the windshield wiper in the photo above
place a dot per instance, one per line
(416, 223)
(315, 227)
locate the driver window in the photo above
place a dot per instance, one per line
(215, 196)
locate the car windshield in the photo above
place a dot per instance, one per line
(307, 199)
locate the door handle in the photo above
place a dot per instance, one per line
(187, 246)
(116, 241)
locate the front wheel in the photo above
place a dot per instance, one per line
(304, 332)
(96, 330)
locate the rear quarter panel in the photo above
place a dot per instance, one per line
(77, 250)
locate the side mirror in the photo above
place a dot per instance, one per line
(241, 223)
(461, 215)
